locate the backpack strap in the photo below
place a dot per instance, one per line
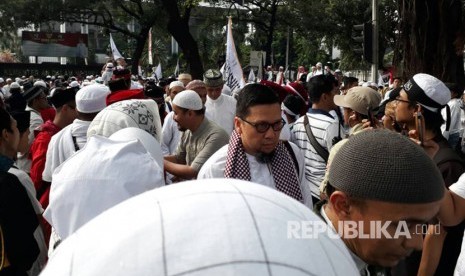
(319, 149)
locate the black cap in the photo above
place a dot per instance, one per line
(33, 92)
(23, 119)
(62, 96)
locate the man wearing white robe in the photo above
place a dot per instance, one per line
(89, 101)
(220, 108)
(255, 153)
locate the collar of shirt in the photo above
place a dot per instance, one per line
(320, 111)
(218, 100)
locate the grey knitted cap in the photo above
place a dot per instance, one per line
(385, 166)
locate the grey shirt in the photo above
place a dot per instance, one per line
(196, 147)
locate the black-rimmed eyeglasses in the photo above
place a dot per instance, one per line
(263, 127)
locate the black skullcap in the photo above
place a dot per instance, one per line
(62, 96)
(26, 85)
(154, 91)
(385, 166)
(294, 104)
(23, 119)
(33, 92)
(213, 78)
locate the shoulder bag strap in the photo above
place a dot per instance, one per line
(319, 149)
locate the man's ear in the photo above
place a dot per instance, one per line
(237, 125)
(341, 204)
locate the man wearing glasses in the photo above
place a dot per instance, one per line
(254, 152)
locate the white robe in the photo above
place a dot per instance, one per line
(61, 146)
(222, 111)
(170, 135)
(108, 173)
(259, 172)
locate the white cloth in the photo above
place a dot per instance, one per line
(170, 135)
(208, 227)
(61, 146)
(41, 260)
(23, 162)
(141, 114)
(285, 134)
(222, 111)
(455, 116)
(260, 173)
(101, 175)
(459, 189)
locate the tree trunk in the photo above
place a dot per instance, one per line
(178, 27)
(140, 44)
(431, 39)
(270, 34)
(189, 47)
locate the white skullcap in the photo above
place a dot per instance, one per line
(188, 99)
(147, 140)
(2, 80)
(428, 91)
(74, 84)
(110, 65)
(9, 79)
(92, 98)
(204, 227)
(176, 84)
(14, 85)
(40, 83)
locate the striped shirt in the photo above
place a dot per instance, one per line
(324, 128)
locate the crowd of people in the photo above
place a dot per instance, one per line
(143, 176)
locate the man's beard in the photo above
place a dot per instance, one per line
(180, 128)
(264, 158)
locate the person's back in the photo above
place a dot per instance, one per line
(324, 128)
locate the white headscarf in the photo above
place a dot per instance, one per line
(142, 114)
(203, 227)
(104, 173)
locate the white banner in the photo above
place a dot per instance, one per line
(150, 47)
(232, 68)
(158, 71)
(114, 50)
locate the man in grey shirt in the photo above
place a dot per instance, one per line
(199, 140)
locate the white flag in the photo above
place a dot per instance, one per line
(260, 68)
(176, 70)
(114, 50)
(158, 71)
(150, 48)
(251, 76)
(232, 68)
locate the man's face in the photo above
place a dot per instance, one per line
(253, 141)
(181, 117)
(396, 83)
(174, 91)
(11, 139)
(404, 230)
(404, 111)
(347, 113)
(214, 92)
(42, 102)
